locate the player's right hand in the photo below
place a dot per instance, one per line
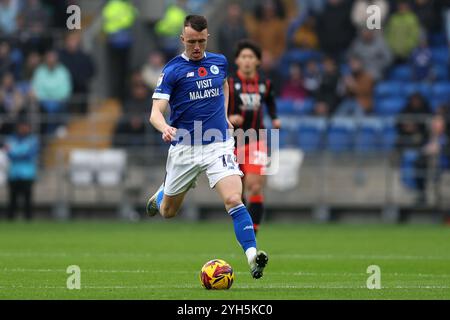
(169, 133)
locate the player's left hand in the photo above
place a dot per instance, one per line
(276, 124)
(169, 133)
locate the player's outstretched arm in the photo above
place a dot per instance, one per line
(159, 122)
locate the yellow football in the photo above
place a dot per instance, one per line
(216, 274)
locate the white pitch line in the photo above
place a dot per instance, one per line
(177, 255)
(276, 273)
(355, 274)
(85, 270)
(272, 286)
(358, 257)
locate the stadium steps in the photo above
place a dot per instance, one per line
(91, 131)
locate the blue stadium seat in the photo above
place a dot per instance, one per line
(441, 72)
(341, 134)
(285, 138)
(424, 89)
(285, 107)
(390, 106)
(441, 91)
(408, 169)
(388, 134)
(401, 73)
(386, 89)
(306, 107)
(291, 107)
(288, 132)
(310, 133)
(283, 68)
(440, 54)
(368, 135)
(435, 103)
(301, 55)
(438, 39)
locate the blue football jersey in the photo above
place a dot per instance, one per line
(194, 90)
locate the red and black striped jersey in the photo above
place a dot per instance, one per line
(247, 97)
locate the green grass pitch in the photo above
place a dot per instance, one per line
(161, 260)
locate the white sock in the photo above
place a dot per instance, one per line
(251, 254)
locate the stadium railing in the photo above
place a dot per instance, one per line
(347, 174)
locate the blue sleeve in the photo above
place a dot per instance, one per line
(165, 84)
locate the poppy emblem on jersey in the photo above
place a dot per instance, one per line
(214, 69)
(202, 72)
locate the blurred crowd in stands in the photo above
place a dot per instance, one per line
(44, 78)
(43, 69)
(341, 86)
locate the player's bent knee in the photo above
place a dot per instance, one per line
(233, 200)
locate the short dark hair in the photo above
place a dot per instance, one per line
(248, 44)
(196, 22)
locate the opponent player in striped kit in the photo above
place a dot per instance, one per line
(249, 91)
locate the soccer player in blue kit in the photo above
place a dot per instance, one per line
(195, 86)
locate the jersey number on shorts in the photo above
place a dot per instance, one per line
(228, 161)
